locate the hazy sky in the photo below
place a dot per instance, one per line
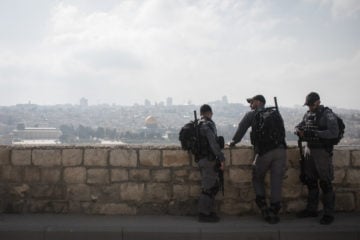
(113, 51)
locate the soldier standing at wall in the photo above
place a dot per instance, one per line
(210, 153)
(270, 153)
(318, 124)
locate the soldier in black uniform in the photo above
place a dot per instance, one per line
(210, 153)
(318, 125)
(272, 158)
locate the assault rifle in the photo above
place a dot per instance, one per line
(302, 162)
(220, 175)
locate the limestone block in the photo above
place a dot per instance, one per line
(157, 192)
(47, 191)
(4, 155)
(105, 193)
(123, 158)
(11, 174)
(132, 191)
(161, 175)
(339, 175)
(297, 205)
(291, 177)
(50, 175)
(195, 175)
(32, 174)
(227, 155)
(345, 202)
(355, 158)
(195, 190)
(72, 157)
(149, 158)
(341, 158)
(238, 175)
(175, 158)
(292, 192)
(119, 175)
(353, 176)
(78, 192)
(233, 207)
(181, 192)
(21, 157)
(246, 194)
(46, 206)
(230, 191)
(95, 157)
(180, 176)
(139, 174)
(98, 176)
(114, 209)
(293, 157)
(75, 175)
(46, 157)
(241, 156)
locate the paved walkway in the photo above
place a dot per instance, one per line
(89, 227)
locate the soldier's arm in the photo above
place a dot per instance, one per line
(244, 124)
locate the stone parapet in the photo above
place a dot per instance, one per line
(132, 180)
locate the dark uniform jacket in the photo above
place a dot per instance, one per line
(209, 133)
(326, 126)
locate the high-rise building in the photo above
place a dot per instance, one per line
(169, 101)
(83, 102)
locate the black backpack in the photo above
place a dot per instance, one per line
(268, 130)
(189, 136)
(341, 126)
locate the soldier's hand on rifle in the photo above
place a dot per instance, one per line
(222, 166)
(232, 144)
(299, 132)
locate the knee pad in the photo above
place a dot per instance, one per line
(326, 186)
(211, 192)
(312, 185)
(261, 202)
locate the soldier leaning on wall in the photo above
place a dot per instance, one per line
(270, 154)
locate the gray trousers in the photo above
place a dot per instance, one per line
(275, 161)
(209, 184)
(319, 171)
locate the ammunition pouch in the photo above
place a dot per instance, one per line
(220, 140)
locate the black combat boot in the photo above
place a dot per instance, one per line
(327, 219)
(273, 213)
(261, 203)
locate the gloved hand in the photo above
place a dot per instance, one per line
(232, 144)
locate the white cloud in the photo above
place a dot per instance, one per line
(158, 48)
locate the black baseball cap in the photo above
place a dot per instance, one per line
(257, 97)
(311, 98)
(205, 108)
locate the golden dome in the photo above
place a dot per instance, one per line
(150, 120)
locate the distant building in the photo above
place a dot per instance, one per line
(147, 103)
(169, 102)
(36, 135)
(83, 102)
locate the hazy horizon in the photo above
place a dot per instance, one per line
(123, 52)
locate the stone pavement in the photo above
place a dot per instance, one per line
(64, 227)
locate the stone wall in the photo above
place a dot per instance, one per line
(133, 180)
